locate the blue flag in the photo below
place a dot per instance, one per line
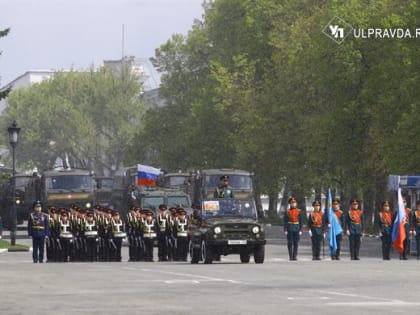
(335, 227)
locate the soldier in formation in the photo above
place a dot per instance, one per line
(316, 229)
(293, 225)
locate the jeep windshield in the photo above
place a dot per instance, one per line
(229, 208)
(237, 182)
(152, 202)
(178, 201)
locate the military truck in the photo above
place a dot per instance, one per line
(63, 187)
(180, 181)
(206, 181)
(103, 191)
(126, 193)
(228, 226)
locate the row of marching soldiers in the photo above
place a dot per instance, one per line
(168, 229)
(77, 234)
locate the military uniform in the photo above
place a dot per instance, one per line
(384, 223)
(406, 243)
(130, 227)
(66, 237)
(415, 226)
(223, 190)
(172, 239)
(164, 231)
(340, 218)
(354, 225)
(149, 232)
(90, 236)
(316, 229)
(195, 217)
(38, 229)
(52, 242)
(181, 234)
(117, 235)
(293, 225)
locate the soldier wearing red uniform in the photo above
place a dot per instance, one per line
(384, 222)
(316, 229)
(354, 228)
(293, 226)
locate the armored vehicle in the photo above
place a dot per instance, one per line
(68, 186)
(227, 226)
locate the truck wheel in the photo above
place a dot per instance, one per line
(245, 257)
(194, 253)
(259, 254)
(207, 253)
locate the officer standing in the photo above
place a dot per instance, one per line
(316, 229)
(181, 234)
(149, 234)
(384, 224)
(38, 230)
(293, 225)
(339, 215)
(415, 226)
(118, 234)
(354, 228)
(223, 190)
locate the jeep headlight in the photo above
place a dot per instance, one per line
(217, 230)
(18, 201)
(88, 205)
(255, 229)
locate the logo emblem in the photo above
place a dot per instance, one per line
(337, 29)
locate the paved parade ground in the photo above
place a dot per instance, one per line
(368, 286)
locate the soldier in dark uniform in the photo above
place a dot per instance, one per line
(181, 234)
(164, 231)
(130, 226)
(38, 229)
(90, 236)
(138, 233)
(52, 249)
(117, 235)
(66, 236)
(415, 226)
(195, 216)
(354, 226)
(223, 190)
(293, 225)
(316, 229)
(384, 222)
(150, 229)
(172, 238)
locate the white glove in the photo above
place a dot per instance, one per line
(285, 232)
(310, 233)
(414, 233)
(300, 233)
(380, 234)
(324, 235)
(348, 232)
(1, 237)
(411, 232)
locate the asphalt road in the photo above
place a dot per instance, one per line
(279, 286)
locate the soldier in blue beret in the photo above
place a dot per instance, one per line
(38, 229)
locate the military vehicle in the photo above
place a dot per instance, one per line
(228, 226)
(126, 193)
(179, 181)
(64, 187)
(103, 191)
(206, 181)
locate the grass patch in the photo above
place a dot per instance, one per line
(12, 248)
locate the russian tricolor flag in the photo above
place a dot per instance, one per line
(147, 175)
(398, 230)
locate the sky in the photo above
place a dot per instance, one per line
(64, 34)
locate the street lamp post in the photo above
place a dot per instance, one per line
(13, 131)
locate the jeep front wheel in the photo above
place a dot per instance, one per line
(194, 253)
(245, 257)
(259, 254)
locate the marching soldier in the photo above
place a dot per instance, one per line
(90, 236)
(66, 236)
(131, 222)
(118, 234)
(223, 190)
(316, 229)
(52, 248)
(195, 216)
(354, 228)
(172, 238)
(340, 218)
(415, 226)
(406, 243)
(384, 224)
(149, 229)
(38, 230)
(164, 231)
(181, 234)
(293, 225)
(138, 233)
